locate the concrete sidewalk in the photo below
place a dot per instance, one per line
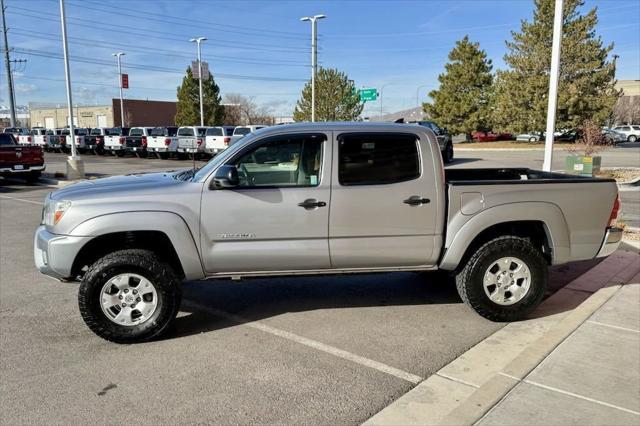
(592, 377)
(576, 362)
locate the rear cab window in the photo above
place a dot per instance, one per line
(377, 158)
(241, 131)
(215, 131)
(186, 131)
(7, 139)
(136, 132)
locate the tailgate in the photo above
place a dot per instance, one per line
(22, 155)
(133, 142)
(188, 142)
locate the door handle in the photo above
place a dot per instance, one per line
(416, 200)
(312, 203)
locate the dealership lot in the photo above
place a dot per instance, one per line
(317, 350)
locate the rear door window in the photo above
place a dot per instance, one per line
(377, 159)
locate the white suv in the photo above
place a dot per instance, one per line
(632, 132)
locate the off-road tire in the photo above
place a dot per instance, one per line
(142, 262)
(469, 281)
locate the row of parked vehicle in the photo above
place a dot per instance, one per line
(163, 142)
(614, 135)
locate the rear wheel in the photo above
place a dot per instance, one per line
(447, 154)
(632, 138)
(129, 296)
(504, 280)
(533, 139)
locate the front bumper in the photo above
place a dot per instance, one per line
(612, 239)
(54, 254)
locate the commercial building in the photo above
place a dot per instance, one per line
(136, 113)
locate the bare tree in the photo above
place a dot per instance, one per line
(240, 110)
(627, 110)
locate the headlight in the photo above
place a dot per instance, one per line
(53, 211)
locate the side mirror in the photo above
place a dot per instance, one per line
(226, 177)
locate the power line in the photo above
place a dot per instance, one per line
(35, 14)
(50, 55)
(148, 50)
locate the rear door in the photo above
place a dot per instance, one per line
(383, 202)
(277, 218)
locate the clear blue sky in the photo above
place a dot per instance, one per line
(260, 48)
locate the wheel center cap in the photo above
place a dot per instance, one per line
(129, 298)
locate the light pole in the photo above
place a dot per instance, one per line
(418, 93)
(199, 40)
(75, 166)
(118, 55)
(381, 92)
(314, 59)
(553, 86)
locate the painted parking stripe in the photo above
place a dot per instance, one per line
(366, 362)
(21, 199)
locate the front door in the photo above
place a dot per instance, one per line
(277, 217)
(383, 202)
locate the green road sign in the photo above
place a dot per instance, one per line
(368, 94)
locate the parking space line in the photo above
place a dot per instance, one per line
(586, 398)
(617, 327)
(21, 199)
(366, 362)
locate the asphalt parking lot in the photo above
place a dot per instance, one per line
(319, 350)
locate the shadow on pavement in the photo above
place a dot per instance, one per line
(457, 161)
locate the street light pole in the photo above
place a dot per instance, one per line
(314, 59)
(418, 93)
(553, 86)
(381, 93)
(118, 55)
(75, 166)
(7, 63)
(199, 40)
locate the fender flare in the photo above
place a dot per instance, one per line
(171, 224)
(551, 216)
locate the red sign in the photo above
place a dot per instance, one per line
(125, 81)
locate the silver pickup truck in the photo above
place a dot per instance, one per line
(324, 198)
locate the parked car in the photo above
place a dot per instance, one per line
(444, 139)
(41, 137)
(491, 136)
(136, 141)
(163, 141)
(217, 139)
(320, 198)
(241, 131)
(21, 134)
(631, 131)
(114, 142)
(568, 136)
(26, 162)
(95, 139)
(59, 141)
(530, 137)
(191, 140)
(80, 138)
(612, 137)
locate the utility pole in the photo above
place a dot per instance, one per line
(199, 40)
(553, 86)
(314, 59)
(7, 63)
(75, 166)
(118, 55)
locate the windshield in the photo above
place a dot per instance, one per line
(185, 131)
(214, 131)
(241, 131)
(6, 139)
(204, 171)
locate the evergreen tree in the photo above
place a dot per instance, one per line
(188, 107)
(336, 98)
(461, 103)
(586, 80)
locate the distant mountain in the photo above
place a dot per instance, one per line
(20, 109)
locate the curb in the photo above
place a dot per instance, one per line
(463, 391)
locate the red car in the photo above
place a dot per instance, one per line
(491, 137)
(20, 160)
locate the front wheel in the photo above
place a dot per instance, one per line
(129, 296)
(533, 139)
(504, 280)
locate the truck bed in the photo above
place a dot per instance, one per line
(512, 175)
(575, 210)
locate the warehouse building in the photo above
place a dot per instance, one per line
(136, 113)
